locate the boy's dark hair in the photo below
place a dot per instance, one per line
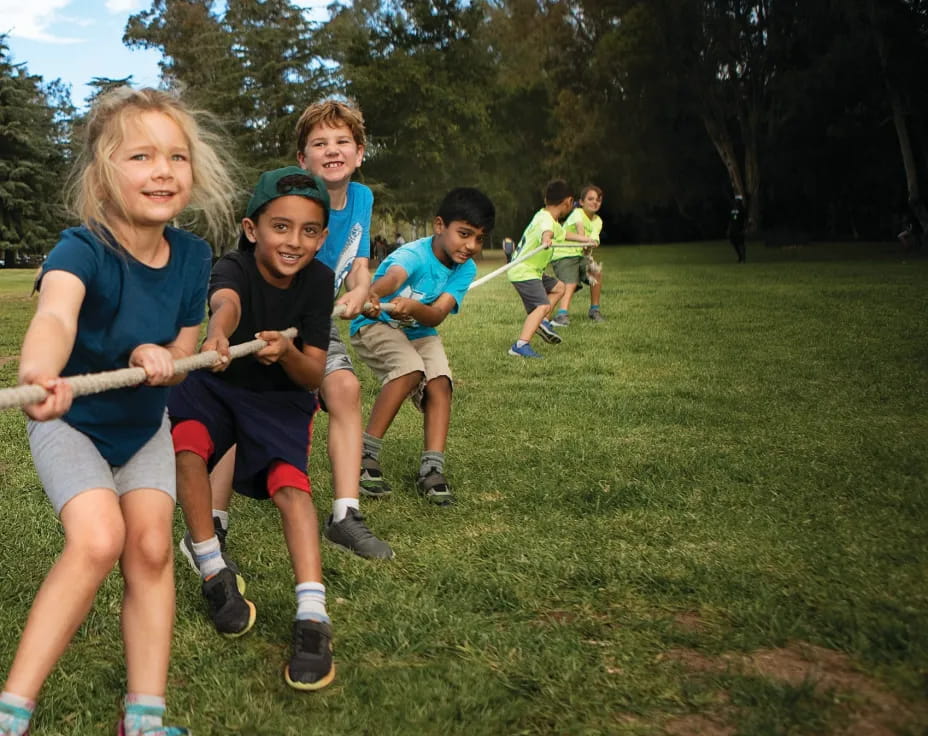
(468, 205)
(557, 191)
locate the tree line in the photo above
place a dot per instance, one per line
(809, 109)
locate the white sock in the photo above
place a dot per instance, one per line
(208, 557)
(310, 602)
(340, 508)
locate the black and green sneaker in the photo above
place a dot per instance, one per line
(435, 488)
(232, 614)
(372, 481)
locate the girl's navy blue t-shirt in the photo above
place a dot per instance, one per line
(127, 304)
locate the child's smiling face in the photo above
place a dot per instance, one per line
(331, 153)
(591, 202)
(287, 235)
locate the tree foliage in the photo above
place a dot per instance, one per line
(32, 159)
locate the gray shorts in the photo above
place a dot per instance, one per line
(68, 463)
(568, 269)
(534, 292)
(337, 358)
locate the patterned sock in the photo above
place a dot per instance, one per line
(15, 713)
(431, 460)
(208, 556)
(371, 446)
(143, 714)
(223, 517)
(310, 602)
(340, 508)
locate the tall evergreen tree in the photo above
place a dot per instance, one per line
(31, 163)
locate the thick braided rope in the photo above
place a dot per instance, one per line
(94, 383)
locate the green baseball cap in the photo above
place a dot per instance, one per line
(274, 184)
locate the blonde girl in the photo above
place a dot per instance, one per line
(123, 288)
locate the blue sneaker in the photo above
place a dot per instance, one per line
(546, 332)
(525, 351)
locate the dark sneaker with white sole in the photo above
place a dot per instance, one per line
(372, 482)
(232, 614)
(546, 332)
(186, 548)
(434, 488)
(352, 533)
(311, 666)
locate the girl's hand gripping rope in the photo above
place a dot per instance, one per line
(56, 404)
(157, 362)
(371, 308)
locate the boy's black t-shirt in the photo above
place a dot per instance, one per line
(306, 304)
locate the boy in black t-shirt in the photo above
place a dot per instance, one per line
(265, 404)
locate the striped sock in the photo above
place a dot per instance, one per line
(371, 446)
(208, 556)
(431, 460)
(143, 714)
(310, 602)
(15, 713)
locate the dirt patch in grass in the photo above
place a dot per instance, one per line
(690, 725)
(870, 708)
(690, 621)
(8, 359)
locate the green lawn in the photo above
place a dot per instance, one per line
(707, 515)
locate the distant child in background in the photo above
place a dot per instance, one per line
(125, 287)
(330, 144)
(538, 291)
(583, 225)
(508, 247)
(264, 404)
(424, 282)
(736, 223)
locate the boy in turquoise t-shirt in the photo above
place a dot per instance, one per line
(570, 264)
(423, 281)
(540, 292)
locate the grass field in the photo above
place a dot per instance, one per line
(707, 515)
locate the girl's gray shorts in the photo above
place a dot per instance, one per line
(68, 463)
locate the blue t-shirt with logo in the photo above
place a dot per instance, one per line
(127, 304)
(349, 233)
(427, 278)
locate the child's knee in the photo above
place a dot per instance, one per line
(438, 386)
(151, 547)
(100, 547)
(341, 390)
(558, 289)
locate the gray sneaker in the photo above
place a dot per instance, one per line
(186, 548)
(596, 316)
(351, 533)
(561, 320)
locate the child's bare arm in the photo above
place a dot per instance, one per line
(429, 315)
(226, 311)
(389, 282)
(49, 341)
(358, 282)
(304, 367)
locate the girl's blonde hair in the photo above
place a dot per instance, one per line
(94, 194)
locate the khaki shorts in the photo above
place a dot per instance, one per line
(390, 354)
